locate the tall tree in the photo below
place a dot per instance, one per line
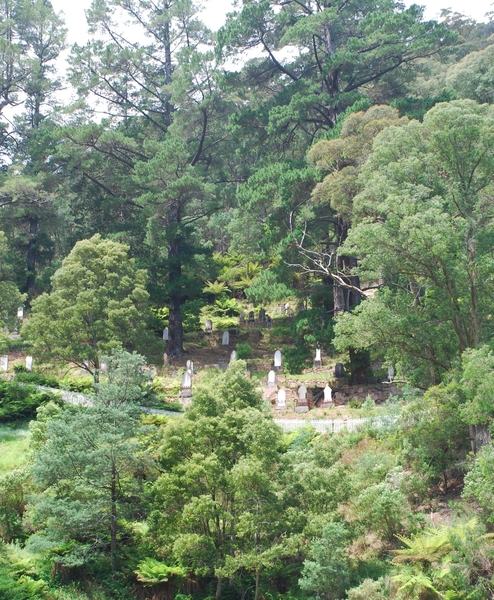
(427, 237)
(319, 57)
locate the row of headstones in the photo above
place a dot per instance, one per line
(251, 317)
(302, 395)
(4, 363)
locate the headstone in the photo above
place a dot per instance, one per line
(186, 387)
(29, 363)
(187, 380)
(391, 373)
(233, 355)
(328, 396)
(271, 379)
(317, 360)
(242, 317)
(252, 317)
(190, 366)
(225, 341)
(4, 363)
(20, 312)
(277, 359)
(338, 370)
(222, 364)
(281, 399)
(302, 404)
(262, 315)
(165, 334)
(209, 326)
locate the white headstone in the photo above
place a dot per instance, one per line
(318, 354)
(187, 380)
(302, 393)
(20, 312)
(271, 378)
(4, 363)
(225, 341)
(277, 358)
(209, 326)
(233, 355)
(165, 334)
(29, 363)
(281, 399)
(328, 394)
(391, 373)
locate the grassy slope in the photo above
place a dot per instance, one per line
(14, 442)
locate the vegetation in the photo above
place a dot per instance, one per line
(329, 162)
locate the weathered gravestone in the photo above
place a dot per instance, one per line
(190, 366)
(391, 373)
(328, 397)
(4, 363)
(209, 326)
(252, 317)
(225, 340)
(20, 312)
(29, 363)
(165, 334)
(262, 315)
(281, 400)
(186, 387)
(317, 360)
(241, 317)
(233, 355)
(271, 379)
(222, 364)
(302, 404)
(338, 370)
(277, 360)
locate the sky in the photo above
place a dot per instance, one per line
(215, 11)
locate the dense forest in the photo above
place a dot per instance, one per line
(330, 162)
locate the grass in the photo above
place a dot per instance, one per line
(14, 444)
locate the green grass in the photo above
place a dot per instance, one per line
(14, 444)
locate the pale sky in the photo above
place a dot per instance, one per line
(215, 11)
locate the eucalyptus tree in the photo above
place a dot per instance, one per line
(425, 233)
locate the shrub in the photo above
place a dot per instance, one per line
(244, 351)
(18, 401)
(296, 359)
(35, 378)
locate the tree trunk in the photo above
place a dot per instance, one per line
(256, 595)
(218, 587)
(175, 330)
(113, 521)
(31, 255)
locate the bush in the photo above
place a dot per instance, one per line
(244, 351)
(296, 359)
(35, 378)
(18, 401)
(82, 385)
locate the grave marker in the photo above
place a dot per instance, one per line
(225, 341)
(262, 315)
(209, 326)
(302, 404)
(271, 379)
(277, 360)
(252, 317)
(165, 334)
(233, 355)
(317, 360)
(338, 370)
(4, 363)
(29, 363)
(20, 312)
(281, 399)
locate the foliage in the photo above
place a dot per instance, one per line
(18, 401)
(244, 351)
(98, 302)
(296, 359)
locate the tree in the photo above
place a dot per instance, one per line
(88, 473)
(319, 57)
(98, 302)
(10, 297)
(425, 234)
(326, 572)
(214, 501)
